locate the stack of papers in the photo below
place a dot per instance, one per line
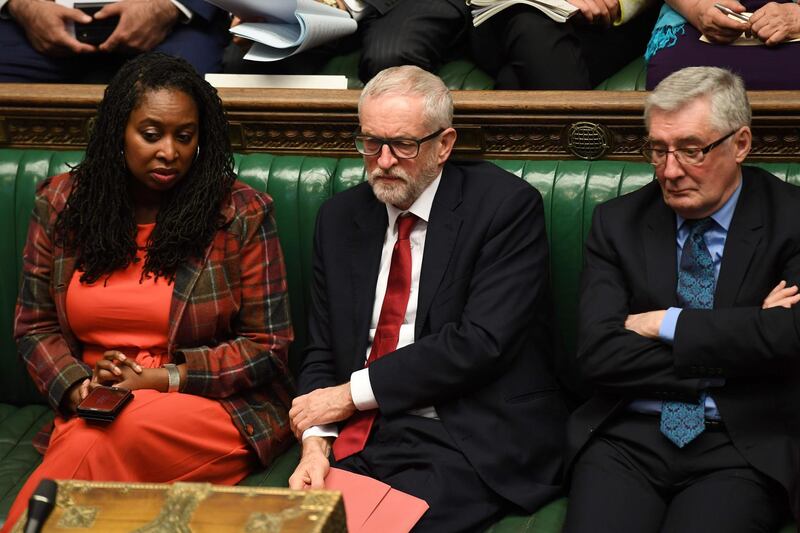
(558, 10)
(374, 507)
(289, 27)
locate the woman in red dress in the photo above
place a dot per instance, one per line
(150, 268)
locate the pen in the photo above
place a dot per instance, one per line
(732, 13)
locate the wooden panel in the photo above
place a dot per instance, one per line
(191, 507)
(491, 124)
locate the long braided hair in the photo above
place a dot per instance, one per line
(98, 221)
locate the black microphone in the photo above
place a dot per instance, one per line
(41, 505)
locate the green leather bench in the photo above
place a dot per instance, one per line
(464, 75)
(571, 190)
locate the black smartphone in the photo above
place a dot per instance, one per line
(103, 404)
(97, 31)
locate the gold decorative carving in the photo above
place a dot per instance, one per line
(47, 131)
(271, 522)
(181, 501)
(74, 516)
(297, 137)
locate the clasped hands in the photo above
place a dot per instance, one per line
(773, 23)
(118, 370)
(649, 324)
(143, 24)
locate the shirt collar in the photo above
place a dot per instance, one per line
(723, 215)
(421, 206)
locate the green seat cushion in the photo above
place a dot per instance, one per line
(632, 77)
(457, 75)
(18, 458)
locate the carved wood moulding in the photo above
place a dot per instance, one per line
(491, 124)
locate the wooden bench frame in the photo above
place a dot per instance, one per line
(491, 124)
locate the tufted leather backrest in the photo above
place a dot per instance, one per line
(299, 185)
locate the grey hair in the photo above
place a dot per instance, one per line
(410, 80)
(730, 108)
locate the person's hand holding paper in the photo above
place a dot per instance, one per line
(776, 23)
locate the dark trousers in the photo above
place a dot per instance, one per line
(631, 478)
(200, 43)
(524, 49)
(424, 33)
(416, 455)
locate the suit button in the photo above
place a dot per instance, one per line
(591, 429)
(249, 429)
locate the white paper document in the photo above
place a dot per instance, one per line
(288, 27)
(558, 10)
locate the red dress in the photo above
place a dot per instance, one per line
(158, 437)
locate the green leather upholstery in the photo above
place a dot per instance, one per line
(632, 77)
(457, 75)
(462, 74)
(298, 185)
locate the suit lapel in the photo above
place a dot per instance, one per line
(365, 247)
(744, 234)
(62, 276)
(186, 278)
(443, 227)
(660, 248)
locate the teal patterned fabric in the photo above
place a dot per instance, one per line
(682, 422)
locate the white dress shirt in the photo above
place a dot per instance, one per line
(360, 386)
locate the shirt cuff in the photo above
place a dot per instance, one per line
(667, 330)
(187, 14)
(361, 390)
(323, 430)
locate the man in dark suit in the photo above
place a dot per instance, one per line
(425, 33)
(693, 425)
(409, 32)
(465, 411)
(37, 46)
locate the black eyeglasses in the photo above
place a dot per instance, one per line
(686, 156)
(401, 148)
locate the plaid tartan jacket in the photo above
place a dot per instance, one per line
(229, 317)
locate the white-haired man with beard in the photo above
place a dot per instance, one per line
(428, 359)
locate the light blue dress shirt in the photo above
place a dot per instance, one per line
(715, 241)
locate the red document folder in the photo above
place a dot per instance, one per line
(373, 506)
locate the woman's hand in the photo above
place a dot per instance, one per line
(775, 23)
(716, 25)
(601, 12)
(75, 395)
(114, 368)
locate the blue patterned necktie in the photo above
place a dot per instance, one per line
(682, 422)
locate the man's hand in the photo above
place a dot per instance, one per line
(646, 324)
(314, 465)
(775, 23)
(600, 12)
(322, 406)
(782, 296)
(143, 24)
(716, 25)
(45, 23)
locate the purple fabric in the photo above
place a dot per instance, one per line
(761, 67)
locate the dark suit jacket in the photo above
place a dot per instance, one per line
(631, 267)
(481, 351)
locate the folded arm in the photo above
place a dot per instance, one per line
(611, 356)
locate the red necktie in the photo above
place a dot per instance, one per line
(353, 436)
